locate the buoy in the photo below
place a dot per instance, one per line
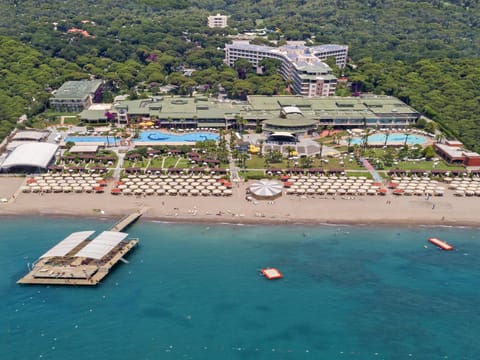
(441, 244)
(271, 273)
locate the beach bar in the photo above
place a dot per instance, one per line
(76, 260)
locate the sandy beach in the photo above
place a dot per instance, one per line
(291, 209)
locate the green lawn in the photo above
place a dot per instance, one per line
(424, 165)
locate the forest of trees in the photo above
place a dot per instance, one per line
(425, 52)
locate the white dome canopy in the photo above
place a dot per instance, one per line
(266, 188)
(33, 154)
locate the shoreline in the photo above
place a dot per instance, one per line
(386, 211)
(244, 221)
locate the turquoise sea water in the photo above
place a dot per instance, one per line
(193, 292)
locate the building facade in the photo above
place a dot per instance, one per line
(303, 66)
(217, 21)
(292, 113)
(75, 96)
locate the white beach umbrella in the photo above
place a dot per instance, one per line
(227, 192)
(194, 192)
(205, 192)
(26, 189)
(160, 191)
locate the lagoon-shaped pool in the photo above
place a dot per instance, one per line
(159, 136)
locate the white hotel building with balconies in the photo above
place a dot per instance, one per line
(301, 65)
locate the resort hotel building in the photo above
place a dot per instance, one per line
(292, 113)
(302, 65)
(77, 95)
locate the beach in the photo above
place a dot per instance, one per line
(447, 210)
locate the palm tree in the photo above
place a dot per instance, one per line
(365, 137)
(440, 138)
(240, 122)
(329, 128)
(406, 138)
(260, 145)
(290, 150)
(349, 142)
(306, 162)
(321, 148)
(243, 160)
(387, 134)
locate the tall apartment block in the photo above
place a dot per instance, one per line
(217, 21)
(301, 65)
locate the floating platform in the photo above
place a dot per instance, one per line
(441, 244)
(271, 273)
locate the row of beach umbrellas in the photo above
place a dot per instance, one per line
(323, 185)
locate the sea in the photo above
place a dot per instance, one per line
(194, 291)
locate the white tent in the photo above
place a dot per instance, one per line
(67, 244)
(102, 245)
(265, 189)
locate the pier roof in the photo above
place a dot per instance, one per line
(102, 245)
(67, 244)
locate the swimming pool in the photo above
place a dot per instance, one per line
(99, 139)
(158, 136)
(395, 139)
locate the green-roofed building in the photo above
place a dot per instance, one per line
(75, 96)
(292, 113)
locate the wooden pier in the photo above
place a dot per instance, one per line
(71, 268)
(128, 220)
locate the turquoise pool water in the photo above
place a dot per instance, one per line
(158, 136)
(396, 138)
(104, 139)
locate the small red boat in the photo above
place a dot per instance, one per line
(441, 244)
